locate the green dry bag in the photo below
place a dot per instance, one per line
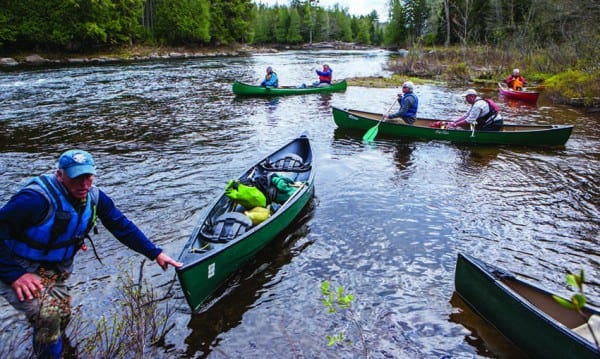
(247, 196)
(286, 187)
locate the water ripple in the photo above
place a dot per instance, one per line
(386, 223)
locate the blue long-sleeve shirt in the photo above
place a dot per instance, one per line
(28, 208)
(270, 80)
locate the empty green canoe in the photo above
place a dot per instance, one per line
(225, 237)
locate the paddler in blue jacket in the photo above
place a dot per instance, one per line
(409, 103)
(41, 229)
(270, 79)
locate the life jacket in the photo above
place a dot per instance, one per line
(62, 231)
(488, 117)
(517, 84)
(412, 111)
(326, 76)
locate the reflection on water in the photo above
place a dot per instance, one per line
(480, 334)
(403, 156)
(388, 220)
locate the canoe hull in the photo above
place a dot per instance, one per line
(495, 295)
(531, 135)
(243, 89)
(208, 265)
(526, 96)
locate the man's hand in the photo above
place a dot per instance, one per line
(164, 261)
(27, 286)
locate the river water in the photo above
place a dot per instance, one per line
(386, 223)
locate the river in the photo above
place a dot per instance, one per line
(386, 223)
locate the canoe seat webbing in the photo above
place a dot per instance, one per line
(290, 163)
(584, 330)
(227, 227)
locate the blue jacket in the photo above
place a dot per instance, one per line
(409, 103)
(270, 80)
(28, 208)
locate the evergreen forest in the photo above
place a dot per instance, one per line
(552, 35)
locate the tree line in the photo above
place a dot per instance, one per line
(86, 25)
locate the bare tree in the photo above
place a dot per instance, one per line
(461, 19)
(446, 4)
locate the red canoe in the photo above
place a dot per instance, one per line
(527, 96)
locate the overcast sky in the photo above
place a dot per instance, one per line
(355, 7)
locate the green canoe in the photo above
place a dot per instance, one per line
(243, 89)
(527, 135)
(225, 237)
(525, 314)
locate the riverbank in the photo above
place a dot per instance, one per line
(121, 54)
(141, 53)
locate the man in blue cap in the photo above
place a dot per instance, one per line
(41, 229)
(409, 104)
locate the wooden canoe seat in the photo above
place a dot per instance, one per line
(290, 163)
(584, 330)
(227, 227)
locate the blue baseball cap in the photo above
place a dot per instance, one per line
(76, 163)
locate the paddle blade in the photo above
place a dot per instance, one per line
(371, 133)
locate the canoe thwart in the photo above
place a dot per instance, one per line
(290, 163)
(226, 227)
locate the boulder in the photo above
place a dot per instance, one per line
(8, 61)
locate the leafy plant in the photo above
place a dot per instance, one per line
(578, 300)
(337, 302)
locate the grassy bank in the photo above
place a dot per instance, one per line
(562, 77)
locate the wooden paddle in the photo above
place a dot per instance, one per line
(372, 132)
